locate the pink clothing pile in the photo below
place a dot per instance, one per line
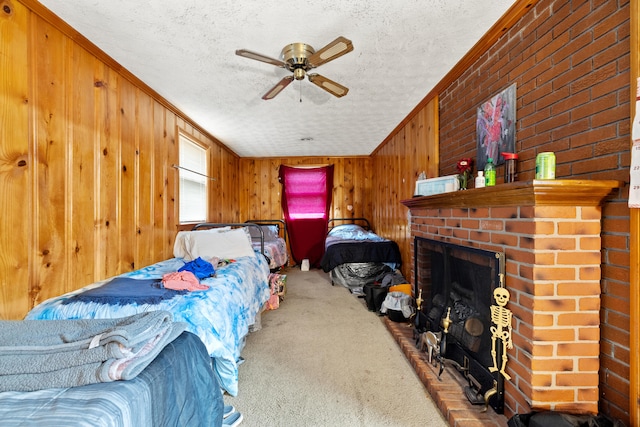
(183, 281)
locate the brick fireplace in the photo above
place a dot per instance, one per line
(549, 232)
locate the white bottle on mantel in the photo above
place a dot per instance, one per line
(480, 179)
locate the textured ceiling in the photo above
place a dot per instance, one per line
(185, 51)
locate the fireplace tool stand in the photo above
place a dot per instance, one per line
(435, 344)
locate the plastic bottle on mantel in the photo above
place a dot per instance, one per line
(480, 179)
(489, 173)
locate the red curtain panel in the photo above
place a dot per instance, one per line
(306, 199)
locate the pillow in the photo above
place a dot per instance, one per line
(346, 228)
(270, 233)
(224, 245)
(180, 244)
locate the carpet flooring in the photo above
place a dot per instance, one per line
(322, 359)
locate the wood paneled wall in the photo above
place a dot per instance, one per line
(372, 186)
(260, 189)
(86, 153)
(412, 149)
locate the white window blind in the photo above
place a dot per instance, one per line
(193, 185)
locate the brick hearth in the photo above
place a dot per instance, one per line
(549, 232)
(445, 392)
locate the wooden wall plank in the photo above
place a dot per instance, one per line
(264, 177)
(171, 153)
(15, 163)
(275, 190)
(107, 157)
(127, 194)
(50, 165)
(83, 188)
(218, 190)
(144, 180)
(160, 171)
(338, 199)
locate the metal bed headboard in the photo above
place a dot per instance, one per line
(277, 222)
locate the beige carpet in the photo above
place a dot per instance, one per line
(322, 359)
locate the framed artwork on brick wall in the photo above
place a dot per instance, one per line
(496, 127)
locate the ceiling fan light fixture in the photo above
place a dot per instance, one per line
(299, 73)
(295, 55)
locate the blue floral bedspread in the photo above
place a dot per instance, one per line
(220, 316)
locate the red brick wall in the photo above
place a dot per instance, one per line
(570, 61)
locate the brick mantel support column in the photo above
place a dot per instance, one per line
(549, 232)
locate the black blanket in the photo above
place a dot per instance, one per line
(125, 290)
(360, 251)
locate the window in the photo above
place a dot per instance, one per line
(193, 181)
(306, 192)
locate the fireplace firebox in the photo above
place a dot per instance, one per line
(456, 284)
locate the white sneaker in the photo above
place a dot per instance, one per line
(232, 420)
(228, 410)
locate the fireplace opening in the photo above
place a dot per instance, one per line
(455, 286)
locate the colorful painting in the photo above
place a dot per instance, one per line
(496, 127)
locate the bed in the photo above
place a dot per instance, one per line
(274, 241)
(354, 255)
(220, 315)
(158, 396)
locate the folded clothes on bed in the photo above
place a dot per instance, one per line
(183, 281)
(125, 290)
(201, 268)
(40, 354)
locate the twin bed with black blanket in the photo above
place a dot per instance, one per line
(217, 310)
(354, 255)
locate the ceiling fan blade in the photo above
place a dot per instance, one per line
(277, 88)
(259, 57)
(330, 86)
(333, 50)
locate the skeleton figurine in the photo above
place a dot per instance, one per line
(501, 317)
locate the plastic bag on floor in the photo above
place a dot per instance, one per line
(397, 306)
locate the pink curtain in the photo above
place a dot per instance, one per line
(306, 199)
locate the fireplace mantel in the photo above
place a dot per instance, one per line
(559, 192)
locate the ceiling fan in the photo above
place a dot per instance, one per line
(300, 58)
